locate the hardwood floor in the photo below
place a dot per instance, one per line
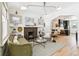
(70, 48)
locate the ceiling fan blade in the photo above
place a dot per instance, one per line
(41, 6)
(51, 6)
(35, 5)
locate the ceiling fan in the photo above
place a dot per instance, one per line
(44, 6)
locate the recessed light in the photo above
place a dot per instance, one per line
(23, 8)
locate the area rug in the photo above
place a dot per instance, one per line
(50, 48)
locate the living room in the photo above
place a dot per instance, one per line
(39, 28)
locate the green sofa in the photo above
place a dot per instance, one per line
(22, 49)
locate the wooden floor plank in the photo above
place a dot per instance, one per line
(70, 48)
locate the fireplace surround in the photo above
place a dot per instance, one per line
(30, 33)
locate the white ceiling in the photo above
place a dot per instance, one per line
(38, 11)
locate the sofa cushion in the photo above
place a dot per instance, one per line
(10, 39)
(20, 50)
(23, 41)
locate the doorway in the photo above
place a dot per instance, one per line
(66, 27)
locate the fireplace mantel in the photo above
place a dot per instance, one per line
(33, 26)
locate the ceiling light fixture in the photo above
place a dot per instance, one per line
(23, 8)
(59, 8)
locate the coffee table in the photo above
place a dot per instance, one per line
(40, 41)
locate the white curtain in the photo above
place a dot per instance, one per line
(4, 23)
(4, 27)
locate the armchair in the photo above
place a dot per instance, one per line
(24, 48)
